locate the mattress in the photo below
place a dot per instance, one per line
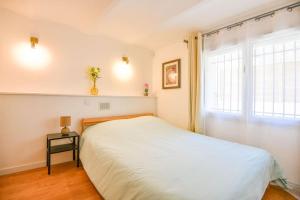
(147, 158)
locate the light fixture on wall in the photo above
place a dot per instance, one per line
(123, 69)
(31, 55)
(125, 59)
(34, 41)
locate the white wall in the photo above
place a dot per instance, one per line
(172, 104)
(70, 53)
(26, 119)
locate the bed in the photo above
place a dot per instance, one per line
(144, 157)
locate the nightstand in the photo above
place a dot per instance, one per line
(73, 146)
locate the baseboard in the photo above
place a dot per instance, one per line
(14, 169)
(294, 189)
(33, 165)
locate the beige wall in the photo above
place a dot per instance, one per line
(69, 52)
(26, 119)
(172, 104)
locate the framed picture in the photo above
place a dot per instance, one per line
(171, 74)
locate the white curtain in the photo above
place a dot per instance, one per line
(282, 20)
(234, 89)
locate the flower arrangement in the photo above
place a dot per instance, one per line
(146, 89)
(94, 74)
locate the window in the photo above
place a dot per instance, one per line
(224, 78)
(276, 78)
(268, 87)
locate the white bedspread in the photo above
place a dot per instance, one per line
(147, 158)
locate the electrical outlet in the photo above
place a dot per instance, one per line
(104, 106)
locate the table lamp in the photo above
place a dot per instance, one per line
(65, 121)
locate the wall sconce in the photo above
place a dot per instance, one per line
(123, 69)
(125, 59)
(29, 55)
(34, 41)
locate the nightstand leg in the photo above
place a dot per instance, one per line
(48, 167)
(78, 151)
(74, 138)
(47, 154)
(49, 158)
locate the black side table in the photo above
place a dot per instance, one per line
(62, 147)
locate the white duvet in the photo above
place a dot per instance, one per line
(146, 158)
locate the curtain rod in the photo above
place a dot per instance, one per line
(186, 41)
(256, 18)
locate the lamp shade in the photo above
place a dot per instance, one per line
(65, 121)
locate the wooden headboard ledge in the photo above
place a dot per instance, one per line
(86, 122)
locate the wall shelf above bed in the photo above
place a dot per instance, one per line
(75, 95)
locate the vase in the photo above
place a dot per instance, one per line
(94, 89)
(146, 92)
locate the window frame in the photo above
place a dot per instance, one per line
(228, 114)
(281, 36)
(247, 111)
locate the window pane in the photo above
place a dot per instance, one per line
(223, 80)
(276, 78)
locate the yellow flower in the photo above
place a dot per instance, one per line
(94, 72)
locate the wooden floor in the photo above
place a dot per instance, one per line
(69, 182)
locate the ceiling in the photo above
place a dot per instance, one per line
(148, 23)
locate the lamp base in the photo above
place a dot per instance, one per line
(65, 131)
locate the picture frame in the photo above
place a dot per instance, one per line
(171, 74)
